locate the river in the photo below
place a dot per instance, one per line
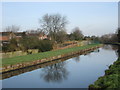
(76, 72)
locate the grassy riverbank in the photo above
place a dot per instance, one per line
(38, 56)
(111, 79)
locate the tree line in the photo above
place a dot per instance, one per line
(111, 38)
(54, 26)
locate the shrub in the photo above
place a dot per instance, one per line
(28, 42)
(5, 48)
(45, 45)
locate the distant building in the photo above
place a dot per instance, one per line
(19, 35)
(40, 36)
(5, 37)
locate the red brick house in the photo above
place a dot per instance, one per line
(40, 36)
(5, 37)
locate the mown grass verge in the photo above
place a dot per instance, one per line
(111, 79)
(38, 56)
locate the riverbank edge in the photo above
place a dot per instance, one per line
(34, 67)
(111, 79)
(35, 62)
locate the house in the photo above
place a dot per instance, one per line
(19, 35)
(5, 37)
(40, 36)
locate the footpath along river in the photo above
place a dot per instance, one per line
(77, 72)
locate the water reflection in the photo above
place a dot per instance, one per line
(55, 70)
(88, 54)
(97, 50)
(31, 68)
(116, 48)
(77, 71)
(118, 51)
(76, 59)
(28, 69)
(107, 47)
(55, 73)
(110, 47)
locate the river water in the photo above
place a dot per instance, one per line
(76, 72)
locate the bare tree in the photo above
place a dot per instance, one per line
(53, 24)
(12, 28)
(61, 36)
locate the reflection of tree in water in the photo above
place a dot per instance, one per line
(88, 54)
(97, 50)
(55, 73)
(107, 47)
(118, 51)
(116, 48)
(77, 58)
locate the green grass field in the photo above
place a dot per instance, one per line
(38, 56)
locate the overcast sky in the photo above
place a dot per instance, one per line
(93, 18)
